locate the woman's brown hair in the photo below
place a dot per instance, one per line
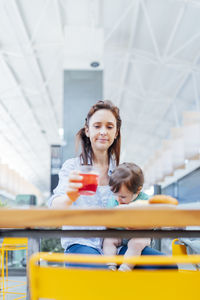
(81, 138)
(130, 175)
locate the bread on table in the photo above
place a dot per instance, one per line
(163, 199)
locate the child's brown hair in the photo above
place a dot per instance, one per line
(130, 175)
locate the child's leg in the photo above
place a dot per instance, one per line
(110, 248)
(149, 251)
(134, 248)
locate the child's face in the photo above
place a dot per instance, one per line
(124, 196)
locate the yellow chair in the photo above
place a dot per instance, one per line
(1, 271)
(60, 283)
(11, 244)
(178, 248)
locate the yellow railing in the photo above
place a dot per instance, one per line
(60, 283)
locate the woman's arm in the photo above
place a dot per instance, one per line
(69, 183)
(72, 191)
(61, 202)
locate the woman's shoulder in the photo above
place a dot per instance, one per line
(71, 164)
(72, 161)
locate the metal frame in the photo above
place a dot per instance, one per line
(58, 233)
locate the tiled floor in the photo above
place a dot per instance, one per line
(15, 285)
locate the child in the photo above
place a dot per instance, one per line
(126, 183)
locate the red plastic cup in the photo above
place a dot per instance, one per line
(90, 180)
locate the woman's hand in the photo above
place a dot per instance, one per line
(72, 191)
(74, 184)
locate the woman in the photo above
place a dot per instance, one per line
(100, 141)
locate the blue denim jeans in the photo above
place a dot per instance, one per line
(150, 251)
(82, 249)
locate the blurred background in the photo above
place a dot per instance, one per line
(58, 57)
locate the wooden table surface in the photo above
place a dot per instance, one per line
(138, 217)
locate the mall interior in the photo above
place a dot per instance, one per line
(57, 59)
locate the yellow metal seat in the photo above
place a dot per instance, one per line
(178, 248)
(59, 283)
(1, 282)
(11, 244)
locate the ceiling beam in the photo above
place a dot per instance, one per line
(152, 35)
(60, 17)
(15, 79)
(182, 47)
(13, 120)
(119, 21)
(177, 91)
(127, 90)
(196, 96)
(177, 24)
(128, 55)
(40, 73)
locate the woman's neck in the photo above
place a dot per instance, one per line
(100, 159)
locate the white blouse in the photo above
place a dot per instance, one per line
(99, 199)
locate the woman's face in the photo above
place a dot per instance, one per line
(102, 129)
